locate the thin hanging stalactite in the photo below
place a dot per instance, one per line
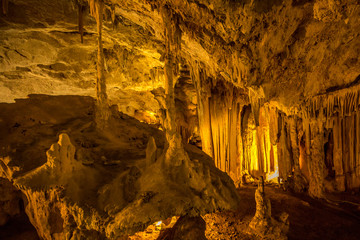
(81, 9)
(5, 6)
(175, 153)
(102, 113)
(113, 16)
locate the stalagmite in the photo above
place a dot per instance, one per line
(262, 224)
(262, 219)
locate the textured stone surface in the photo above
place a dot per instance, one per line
(262, 224)
(186, 228)
(120, 192)
(270, 87)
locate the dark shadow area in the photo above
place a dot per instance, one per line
(337, 218)
(19, 227)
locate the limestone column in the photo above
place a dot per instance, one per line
(316, 163)
(337, 154)
(175, 153)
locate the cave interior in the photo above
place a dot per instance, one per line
(179, 119)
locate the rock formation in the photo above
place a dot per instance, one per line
(265, 88)
(118, 193)
(263, 225)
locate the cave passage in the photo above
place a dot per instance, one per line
(169, 119)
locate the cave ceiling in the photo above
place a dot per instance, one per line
(283, 51)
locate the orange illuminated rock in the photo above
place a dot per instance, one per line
(123, 190)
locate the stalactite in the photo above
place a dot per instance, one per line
(203, 92)
(102, 113)
(93, 6)
(224, 118)
(172, 46)
(337, 155)
(267, 150)
(175, 153)
(81, 9)
(185, 102)
(5, 6)
(294, 140)
(344, 101)
(317, 158)
(279, 144)
(307, 129)
(245, 158)
(351, 165)
(239, 145)
(284, 156)
(357, 144)
(233, 135)
(256, 97)
(113, 15)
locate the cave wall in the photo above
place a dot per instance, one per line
(283, 57)
(275, 81)
(319, 139)
(337, 115)
(41, 53)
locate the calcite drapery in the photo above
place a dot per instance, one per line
(277, 141)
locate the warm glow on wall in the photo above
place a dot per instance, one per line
(254, 161)
(273, 176)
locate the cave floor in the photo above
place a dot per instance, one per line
(18, 228)
(338, 218)
(309, 218)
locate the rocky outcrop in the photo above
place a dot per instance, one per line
(118, 193)
(60, 160)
